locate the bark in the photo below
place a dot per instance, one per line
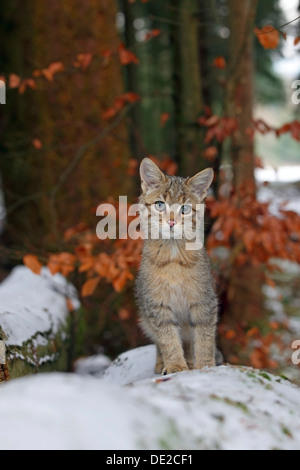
(244, 301)
(67, 115)
(190, 100)
(239, 98)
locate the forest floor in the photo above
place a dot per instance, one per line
(126, 407)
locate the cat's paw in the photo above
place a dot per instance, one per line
(201, 365)
(173, 368)
(159, 368)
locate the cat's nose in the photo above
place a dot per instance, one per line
(172, 223)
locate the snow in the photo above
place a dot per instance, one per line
(93, 365)
(131, 367)
(219, 408)
(31, 304)
(282, 174)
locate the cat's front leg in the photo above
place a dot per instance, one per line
(159, 324)
(159, 361)
(203, 328)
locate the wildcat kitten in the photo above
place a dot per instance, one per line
(175, 293)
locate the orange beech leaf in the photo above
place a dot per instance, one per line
(107, 53)
(132, 167)
(282, 34)
(249, 240)
(256, 359)
(90, 286)
(268, 36)
(14, 81)
(87, 264)
(127, 57)
(252, 332)
(274, 325)
(37, 144)
(28, 83)
(164, 118)
(72, 231)
(120, 281)
(32, 262)
(210, 121)
(124, 314)
(230, 334)
(270, 282)
(110, 113)
(52, 70)
(84, 60)
(258, 163)
(168, 166)
(68, 262)
(295, 130)
(154, 33)
(131, 97)
(210, 153)
(297, 40)
(220, 62)
(54, 264)
(283, 129)
(70, 305)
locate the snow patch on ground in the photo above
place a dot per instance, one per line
(93, 365)
(31, 304)
(131, 367)
(281, 174)
(219, 408)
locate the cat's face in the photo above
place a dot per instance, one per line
(171, 204)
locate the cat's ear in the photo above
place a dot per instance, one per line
(200, 183)
(151, 175)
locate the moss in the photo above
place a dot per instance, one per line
(234, 403)
(265, 375)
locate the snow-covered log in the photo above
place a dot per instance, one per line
(219, 408)
(34, 323)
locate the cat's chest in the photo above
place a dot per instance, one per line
(176, 286)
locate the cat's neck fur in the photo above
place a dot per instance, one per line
(164, 252)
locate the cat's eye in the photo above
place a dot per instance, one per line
(160, 206)
(186, 209)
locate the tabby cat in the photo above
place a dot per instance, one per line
(175, 289)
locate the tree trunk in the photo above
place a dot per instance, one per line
(239, 99)
(244, 302)
(67, 116)
(189, 99)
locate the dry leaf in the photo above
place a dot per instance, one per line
(268, 36)
(37, 144)
(14, 81)
(220, 62)
(32, 262)
(90, 286)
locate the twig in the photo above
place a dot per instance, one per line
(279, 27)
(25, 200)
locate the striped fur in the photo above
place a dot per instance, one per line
(175, 290)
